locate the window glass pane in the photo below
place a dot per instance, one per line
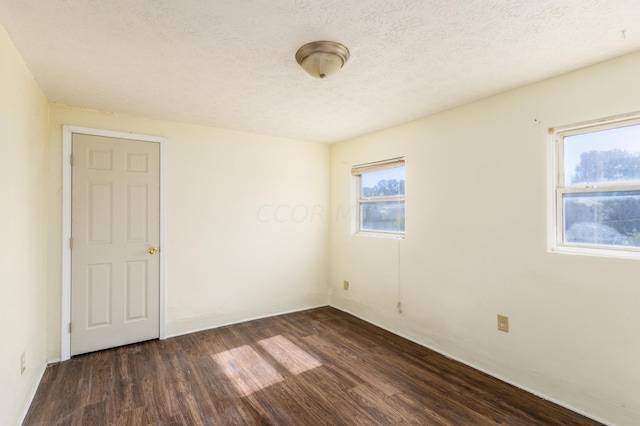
(611, 155)
(603, 218)
(382, 216)
(384, 183)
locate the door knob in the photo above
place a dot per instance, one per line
(153, 250)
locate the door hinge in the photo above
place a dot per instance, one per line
(69, 328)
(71, 243)
(71, 159)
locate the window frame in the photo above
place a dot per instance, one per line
(357, 171)
(558, 188)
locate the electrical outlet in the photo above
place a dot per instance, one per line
(345, 285)
(23, 363)
(503, 323)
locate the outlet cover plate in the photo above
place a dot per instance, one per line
(503, 323)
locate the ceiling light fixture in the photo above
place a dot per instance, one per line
(321, 59)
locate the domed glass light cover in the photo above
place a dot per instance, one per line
(321, 59)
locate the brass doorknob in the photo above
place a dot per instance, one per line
(153, 250)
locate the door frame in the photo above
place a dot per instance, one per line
(67, 138)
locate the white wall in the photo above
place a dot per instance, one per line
(23, 143)
(246, 228)
(476, 217)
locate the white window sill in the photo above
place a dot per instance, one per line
(599, 252)
(379, 235)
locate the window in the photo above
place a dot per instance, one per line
(597, 187)
(380, 197)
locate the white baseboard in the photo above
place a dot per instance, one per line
(32, 395)
(182, 333)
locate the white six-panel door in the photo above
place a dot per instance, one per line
(115, 232)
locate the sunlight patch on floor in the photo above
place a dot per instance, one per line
(250, 372)
(289, 355)
(247, 370)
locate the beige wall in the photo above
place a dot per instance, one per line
(246, 228)
(476, 217)
(23, 168)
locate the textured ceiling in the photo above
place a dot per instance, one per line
(230, 63)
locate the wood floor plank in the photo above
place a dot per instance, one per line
(317, 367)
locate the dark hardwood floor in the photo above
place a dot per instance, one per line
(316, 367)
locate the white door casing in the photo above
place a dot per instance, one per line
(118, 287)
